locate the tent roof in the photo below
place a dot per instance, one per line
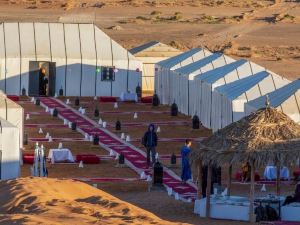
(214, 75)
(41, 40)
(154, 49)
(169, 63)
(278, 96)
(190, 68)
(236, 88)
(264, 135)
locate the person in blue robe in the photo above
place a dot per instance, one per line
(186, 173)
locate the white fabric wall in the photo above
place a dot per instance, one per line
(42, 42)
(58, 54)
(88, 53)
(11, 33)
(2, 57)
(291, 107)
(14, 114)
(28, 51)
(104, 58)
(134, 73)
(73, 59)
(9, 142)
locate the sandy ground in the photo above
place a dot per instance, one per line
(53, 201)
(262, 31)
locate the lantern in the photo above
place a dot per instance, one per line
(96, 140)
(23, 91)
(196, 122)
(96, 112)
(158, 172)
(121, 159)
(118, 125)
(173, 159)
(37, 101)
(174, 109)
(138, 91)
(61, 92)
(73, 126)
(155, 100)
(55, 112)
(77, 101)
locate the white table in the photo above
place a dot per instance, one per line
(125, 96)
(224, 209)
(291, 212)
(60, 155)
(271, 173)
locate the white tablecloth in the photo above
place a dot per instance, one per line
(60, 155)
(236, 208)
(271, 174)
(128, 97)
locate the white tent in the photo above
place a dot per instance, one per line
(183, 78)
(285, 99)
(228, 100)
(79, 58)
(150, 54)
(164, 71)
(9, 151)
(208, 81)
(14, 114)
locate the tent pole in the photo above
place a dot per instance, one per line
(199, 192)
(208, 189)
(252, 193)
(278, 179)
(229, 180)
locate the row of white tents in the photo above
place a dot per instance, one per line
(221, 90)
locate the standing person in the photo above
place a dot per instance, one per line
(43, 81)
(186, 173)
(150, 143)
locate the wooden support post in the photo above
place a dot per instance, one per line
(278, 180)
(199, 192)
(229, 180)
(208, 189)
(252, 193)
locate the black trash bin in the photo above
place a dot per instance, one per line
(158, 173)
(23, 91)
(155, 100)
(174, 109)
(196, 122)
(96, 112)
(138, 91)
(73, 126)
(55, 112)
(173, 159)
(96, 140)
(121, 159)
(118, 125)
(61, 91)
(77, 102)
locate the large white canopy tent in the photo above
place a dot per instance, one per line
(9, 150)
(228, 100)
(285, 99)
(208, 81)
(183, 79)
(164, 71)
(76, 55)
(14, 114)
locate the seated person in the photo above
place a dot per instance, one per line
(246, 172)
(296, 197)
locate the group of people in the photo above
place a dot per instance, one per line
(150, 140)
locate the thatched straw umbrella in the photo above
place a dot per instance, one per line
(262, 137)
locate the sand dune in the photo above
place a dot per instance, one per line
(54, 201)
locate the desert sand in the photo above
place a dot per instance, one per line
(55, 201)
(266, 32)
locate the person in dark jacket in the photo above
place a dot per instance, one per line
(150, 143)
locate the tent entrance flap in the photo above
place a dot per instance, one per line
(42, 78)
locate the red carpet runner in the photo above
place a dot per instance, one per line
(135, 157)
